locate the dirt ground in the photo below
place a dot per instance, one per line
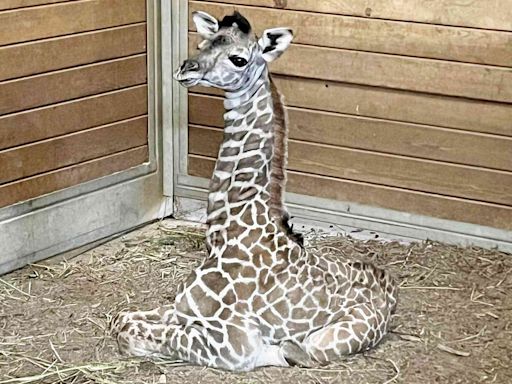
(453, 324)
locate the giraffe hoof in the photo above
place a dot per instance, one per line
(295, 355)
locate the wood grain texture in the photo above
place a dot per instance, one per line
(65, 18)
(398, 72)
(204, 141)
(63, 52)
(72, 116)
(51, 154)
(377, 135)
(378, 168)
(420, 175)
(373, 35)
(12, 4)
(487, 14)
(443, 111)
(54, 87)
(45, 183)
(468, 211)
(405, 139)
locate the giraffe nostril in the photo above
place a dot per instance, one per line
(189, 66)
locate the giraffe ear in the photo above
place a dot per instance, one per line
(274, 42)
(206, 24)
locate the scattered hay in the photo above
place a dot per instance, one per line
(453, 323)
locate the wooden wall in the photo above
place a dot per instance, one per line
(404, 105)
(73, 93)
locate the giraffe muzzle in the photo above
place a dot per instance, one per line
(188, 73)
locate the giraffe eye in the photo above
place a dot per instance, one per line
(238, 61)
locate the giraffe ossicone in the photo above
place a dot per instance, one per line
(259, 298)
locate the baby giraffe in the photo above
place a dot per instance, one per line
(259, 298)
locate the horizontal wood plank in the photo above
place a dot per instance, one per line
(54, 87)
(204, 141)
(377, 168)
(377, 135)
(449, 112)
(420, 175)
(206, 110)
(442, 111)
(51, 154)
(12, 4)
(374, 35)
(442, 207)
(201, 166)
(487, 14)
(402, 139)
(398, 72)
(72, 116)
(66, 177)
(66, 18)
(63, 52)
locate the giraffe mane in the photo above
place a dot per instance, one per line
(278, 171)
(236, 18)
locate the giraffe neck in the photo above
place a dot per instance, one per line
(252, 157)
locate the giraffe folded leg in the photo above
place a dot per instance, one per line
(237, 346)
(360, 329)
(162, 339)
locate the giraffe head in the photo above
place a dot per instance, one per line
(230, 56)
